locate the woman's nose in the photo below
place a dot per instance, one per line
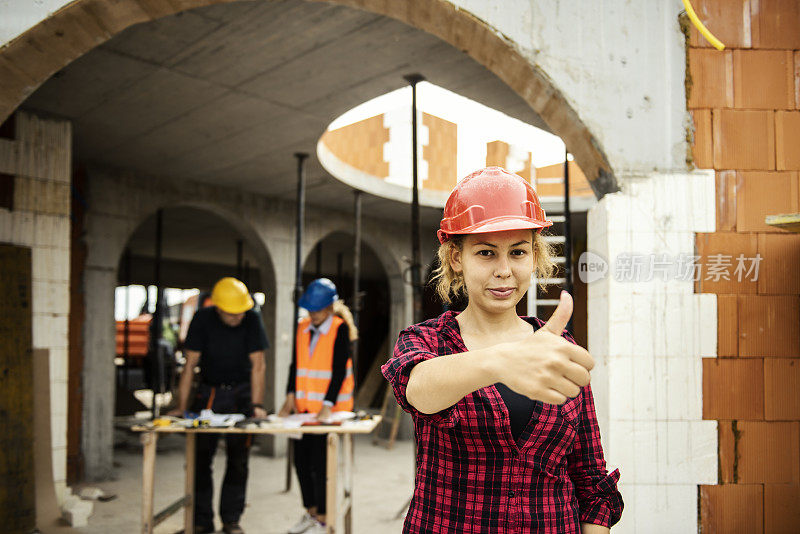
(503, 268)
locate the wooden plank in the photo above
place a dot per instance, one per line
(789, 221)
(289, 464)
(171, 509)
(188, 489)
(364, 427)
(347, 506)
(388, 404)
(48, 514)
(149, 440)
(17, 491)
(369, 388)
(331, 486)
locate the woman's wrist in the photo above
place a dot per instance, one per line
(493, 362)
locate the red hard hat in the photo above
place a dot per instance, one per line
(491, 200)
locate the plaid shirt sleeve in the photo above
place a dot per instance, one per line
(599, 500)
(416, 344)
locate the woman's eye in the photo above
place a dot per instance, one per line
(519, 252)
(485, 252)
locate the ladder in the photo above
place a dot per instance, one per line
(557, 209)
(393, 421)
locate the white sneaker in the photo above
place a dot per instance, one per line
(305, 523)
(318, 528)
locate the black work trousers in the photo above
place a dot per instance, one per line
(221, 399)
(310, 462)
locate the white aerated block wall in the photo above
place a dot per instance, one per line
(648, 335)
(39, 158)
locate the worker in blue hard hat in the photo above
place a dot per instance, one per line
(320, 382)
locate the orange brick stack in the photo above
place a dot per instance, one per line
(745, 102)
(360, 145)
(138, 337)
(441, 153)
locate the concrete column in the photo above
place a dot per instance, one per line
(283, 305)
(97, 436)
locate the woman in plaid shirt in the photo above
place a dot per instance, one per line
(506, 430)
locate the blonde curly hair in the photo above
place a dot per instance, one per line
(450, 284)
(341, 309)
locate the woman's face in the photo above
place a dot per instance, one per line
(318, 317)
(497, 268)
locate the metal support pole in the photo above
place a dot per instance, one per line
(356, 276)
(416, 255)
(301, 215)
(126, 335)
(298, 272)
(318, 258)
(157, 319)
(239, 250)
(567, 242)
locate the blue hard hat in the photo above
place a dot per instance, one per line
(319, 294)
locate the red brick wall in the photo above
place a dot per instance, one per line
(578, 184)
(360, 145)
(441, 153)
(496, 154)
(745, 102)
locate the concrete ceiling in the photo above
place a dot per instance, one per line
(226, 94)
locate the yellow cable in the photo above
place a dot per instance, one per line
(701, 27)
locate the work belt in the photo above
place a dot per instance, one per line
(224, 386)
(223, 397)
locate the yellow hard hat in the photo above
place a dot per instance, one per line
(231, 296)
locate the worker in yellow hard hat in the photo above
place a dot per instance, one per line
(227, 340)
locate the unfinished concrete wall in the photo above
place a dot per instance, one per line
(37, 164)
(119, 203)
(745, 101)
(619, 64)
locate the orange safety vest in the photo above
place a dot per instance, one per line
(314, 371)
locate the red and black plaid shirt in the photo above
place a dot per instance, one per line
(472, 476)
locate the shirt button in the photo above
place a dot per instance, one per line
(511, 494)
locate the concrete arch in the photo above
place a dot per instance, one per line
(100, 279)
(33, 57)
(400, 310)
(389, 262)
(243, 227)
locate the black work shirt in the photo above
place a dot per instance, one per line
(225, 350)
(341, 353)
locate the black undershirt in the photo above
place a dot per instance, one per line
(520, 408)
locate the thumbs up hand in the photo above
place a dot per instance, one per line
(544, 366)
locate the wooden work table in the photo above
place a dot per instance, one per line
(339, 485)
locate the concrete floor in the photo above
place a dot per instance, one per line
(383, 484)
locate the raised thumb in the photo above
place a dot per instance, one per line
(558, 321)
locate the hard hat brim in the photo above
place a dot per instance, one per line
(236, 310)
(496, 225)
(314, 308)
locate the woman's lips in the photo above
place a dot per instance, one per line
(502, 292)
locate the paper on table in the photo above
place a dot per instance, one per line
(220, 419)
